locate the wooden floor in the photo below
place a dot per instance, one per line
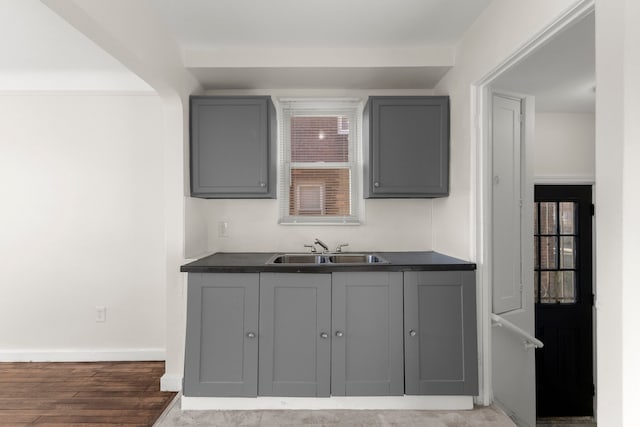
(81, 394)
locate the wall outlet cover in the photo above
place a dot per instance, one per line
(223, 228)
(101, 314)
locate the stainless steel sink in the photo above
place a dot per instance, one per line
(327, 259)
(298, 259)
(357, 259)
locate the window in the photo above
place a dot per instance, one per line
(318, 161)
(555, 252)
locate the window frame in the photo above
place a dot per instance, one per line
(318, 107)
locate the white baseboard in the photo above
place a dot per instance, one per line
(449, 403)
(82, 355)
(170, 382)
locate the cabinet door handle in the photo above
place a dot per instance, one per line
(324, 335)
(251, 335)
(263, 184)
(339, 333)
(413, 333)
(376, 184)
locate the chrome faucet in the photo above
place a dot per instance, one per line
(325, 248)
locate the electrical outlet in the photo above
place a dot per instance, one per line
(223, 228)
(101, 314)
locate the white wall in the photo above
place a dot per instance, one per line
(565, 147)
(82, 225)
(145, 47)
(617, 210)
(390, 225)
(631, 214)
(501, 30)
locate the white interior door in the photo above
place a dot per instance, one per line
(506, 205)
(513, 364)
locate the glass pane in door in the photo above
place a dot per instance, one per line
(548, 252)
(567, 252)
(567, 217)
(548, 218)
(555, 252)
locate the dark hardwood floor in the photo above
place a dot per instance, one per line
(81, 394)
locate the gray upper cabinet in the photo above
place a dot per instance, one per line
(295, 334)
(367, 353)
(232, 145)
(441, 356)
(406, 147)
(221, 354)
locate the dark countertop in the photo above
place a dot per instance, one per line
(255, 262)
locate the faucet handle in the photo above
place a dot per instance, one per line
(340, 246)
(313, 248)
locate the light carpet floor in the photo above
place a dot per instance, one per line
(478, 417)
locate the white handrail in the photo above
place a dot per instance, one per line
(529, 340)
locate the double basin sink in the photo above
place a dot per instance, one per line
(327, 259)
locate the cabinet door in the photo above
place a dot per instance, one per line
(408, 147)
(231, 147)
(295, 340)
(440, 333)
(221, 354)
(367, 353)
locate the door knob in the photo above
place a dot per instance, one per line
(413, 333)
(324, 335)
(251, 335)
(339, 333)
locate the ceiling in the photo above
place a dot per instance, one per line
(283, 44)
(561, 74)
(318, 23)
(41, 51)
(319, 44)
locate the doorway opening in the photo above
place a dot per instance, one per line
(536, 71)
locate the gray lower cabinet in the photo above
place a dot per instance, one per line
(221, 354)
(338, 334)
(341, 334)
(406, 147)
(295, 334)
(440, 333)
(367, 354)
(232, 142)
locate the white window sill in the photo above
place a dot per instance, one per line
(319, 221)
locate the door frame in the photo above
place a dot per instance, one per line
(481, 95)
